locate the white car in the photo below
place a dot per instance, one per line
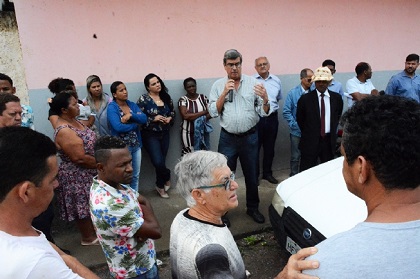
(314, 205)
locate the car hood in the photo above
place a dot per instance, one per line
(320, 196)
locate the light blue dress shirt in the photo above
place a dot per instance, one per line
(272, 85)
(403, 85)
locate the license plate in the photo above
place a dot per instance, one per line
(292, 246)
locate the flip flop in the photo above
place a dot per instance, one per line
(93, 243)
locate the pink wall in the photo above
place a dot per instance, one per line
(180, 38)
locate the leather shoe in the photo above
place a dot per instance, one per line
(271, 179)
(256, 215)
(226, 221)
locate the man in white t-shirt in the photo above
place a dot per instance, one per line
(360, 86)
(28, 177)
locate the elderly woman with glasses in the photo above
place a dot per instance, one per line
(200, 243)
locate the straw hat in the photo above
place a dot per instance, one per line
(322, 73)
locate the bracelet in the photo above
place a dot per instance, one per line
(267, 104)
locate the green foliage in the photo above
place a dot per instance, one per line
(254, 239)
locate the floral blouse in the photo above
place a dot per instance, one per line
(117, 216)
(27, 117)
(149, 107)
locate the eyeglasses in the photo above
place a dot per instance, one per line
(232, 65)
(262, 65)
(308, 79)
(225, 184)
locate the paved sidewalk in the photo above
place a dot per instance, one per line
(67, 237)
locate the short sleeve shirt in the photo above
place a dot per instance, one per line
(117, 215)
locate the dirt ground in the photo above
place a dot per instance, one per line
(262, 256)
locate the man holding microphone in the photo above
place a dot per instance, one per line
(239, 116)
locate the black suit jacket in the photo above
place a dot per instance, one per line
(309, 120)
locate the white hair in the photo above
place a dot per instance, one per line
(196, 169)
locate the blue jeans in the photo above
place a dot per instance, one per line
(246, 148)
(294, 155)
(153, 273)
(267, 135)
(157, 145)
(136, 162)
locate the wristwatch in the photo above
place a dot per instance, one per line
(267, 104)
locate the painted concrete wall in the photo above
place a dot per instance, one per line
(11, 60)
(182, 38)
(125, 40)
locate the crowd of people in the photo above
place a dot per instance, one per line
(99, 141)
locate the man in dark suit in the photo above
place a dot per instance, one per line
(318, 114)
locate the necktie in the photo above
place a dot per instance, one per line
(322, 116)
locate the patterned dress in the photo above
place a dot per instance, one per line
(187, 127)
(74, 181)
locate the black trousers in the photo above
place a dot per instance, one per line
(267, 134)
(323, 154)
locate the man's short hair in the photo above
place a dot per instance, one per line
(7, 98)
(196, 169)
(361, 67)
(6, 77)
(24, 153)
(412, 57)
(104, 145)
(304, 72)
(261, 57)
(385, 130)
(231, 54)
(328, 62)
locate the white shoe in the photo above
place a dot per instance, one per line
(162, 193)
(167, 186)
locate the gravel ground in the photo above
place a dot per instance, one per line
(262, 255)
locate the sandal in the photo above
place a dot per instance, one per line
(162, 193)
(93, 243)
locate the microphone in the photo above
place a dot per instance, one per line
(230, 97)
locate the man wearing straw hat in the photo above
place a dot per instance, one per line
(318, 114)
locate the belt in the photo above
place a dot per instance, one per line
(240, 135)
